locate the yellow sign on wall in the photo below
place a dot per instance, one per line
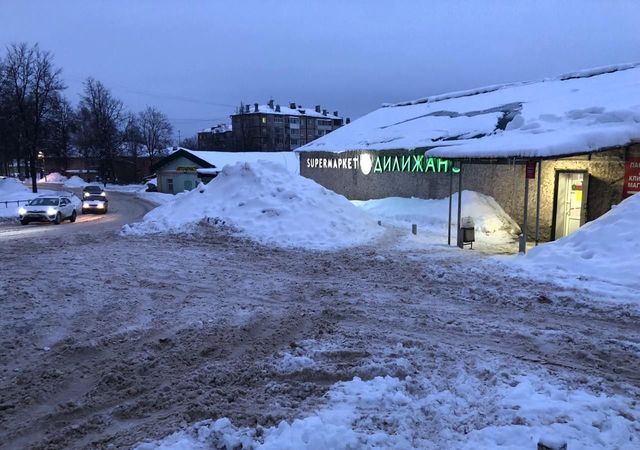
(186, 169)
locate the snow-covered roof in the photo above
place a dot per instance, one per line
(286, 111)
(220, 128)
(218, 160)
(573, 113)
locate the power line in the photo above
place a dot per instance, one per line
(160, 94)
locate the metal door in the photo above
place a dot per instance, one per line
(571, 198)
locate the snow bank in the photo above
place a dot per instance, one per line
(74, 182)
(511, 412)
(10, 187)
(159, 198)
(490, 220)
(53, 178)
(12, 190)
(125, 187)
(267, 203)
(607, 248)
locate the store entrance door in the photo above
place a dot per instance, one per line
(571, 198)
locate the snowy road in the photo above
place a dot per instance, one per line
(131, 338)
(123, 208)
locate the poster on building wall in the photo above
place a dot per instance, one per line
(631, 177)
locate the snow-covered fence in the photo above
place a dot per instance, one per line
(6, 202)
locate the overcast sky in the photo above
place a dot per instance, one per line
(196, 60)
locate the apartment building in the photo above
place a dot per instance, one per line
(216, 138)
(273, 127)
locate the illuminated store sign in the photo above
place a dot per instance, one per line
(368, 163)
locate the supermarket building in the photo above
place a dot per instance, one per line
(554, 153)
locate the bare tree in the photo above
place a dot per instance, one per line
(30, 85)
(156, 131)
(100, 118)
(62, 123)
(190, 143)
(133, 141)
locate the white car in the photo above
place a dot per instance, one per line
(48, 208)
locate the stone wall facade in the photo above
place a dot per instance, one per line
(354, 175)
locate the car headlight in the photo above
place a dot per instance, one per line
(51, 211)
(104, 194)
(22, 211)
(86, 194)
(85, 205)
(100, 205)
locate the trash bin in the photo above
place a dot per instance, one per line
(467, 234)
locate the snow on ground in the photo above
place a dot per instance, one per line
(53, 178)
(267, 203)
(484, 405)
(75, 182)
(493, 226)
(125, 187)
(13, 190)
(604, 250)
(289, 160)
(159, 198)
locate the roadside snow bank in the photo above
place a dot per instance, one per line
(607, 248)
(13, 190)
(159, 198)
(504, 411)
(53, 178)
(75, 181)
(10, 187)
(432, 215)
(265, 202)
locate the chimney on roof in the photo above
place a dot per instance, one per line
(277, 108)
(247, 108)
(271, 103)
(324, 112)
(292, 105)
(348, 120)
(335, 113)
(255, 107)
(317, 108)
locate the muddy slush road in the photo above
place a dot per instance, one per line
(108, 340)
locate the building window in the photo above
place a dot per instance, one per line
(278, 119)
(294, 141)
(294, 120)
(170, 185)
(295, 131)
(264, 120)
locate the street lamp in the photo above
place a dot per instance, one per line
(41, 157)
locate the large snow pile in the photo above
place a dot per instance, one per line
(75, 181)
(607, 248)
(490, 220)
(220, 159)
(11, 190)
(512, 413)
(267, 203)
(11, 187)
(54, 178)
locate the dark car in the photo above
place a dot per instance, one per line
(92, 189)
